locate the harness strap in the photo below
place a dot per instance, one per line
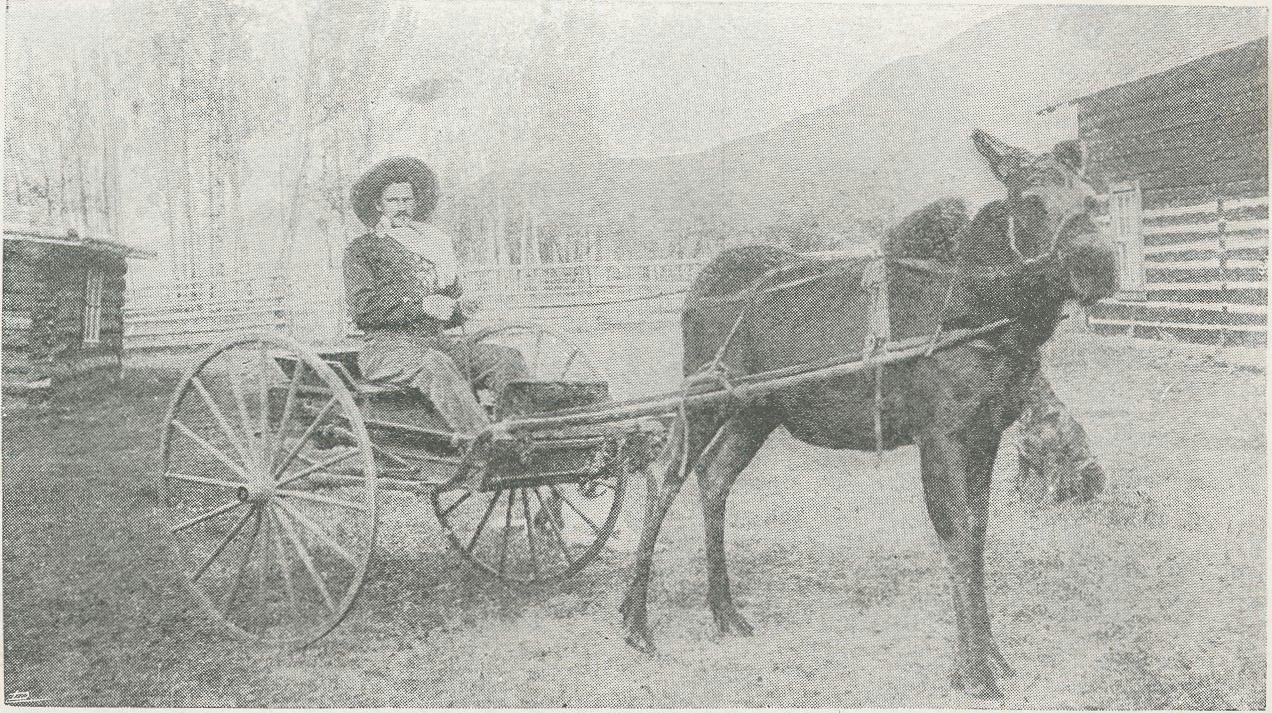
(878, 334)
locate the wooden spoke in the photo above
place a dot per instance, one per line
(450, 460)
(390, 456)
(322, 499)
(295, 513)
(204, 481)
(556, 528)
(216, 452)
(266, 438)
(241, 402)
(207, 516)
(503, 547)
(538, 346)
(467, 494)
(588, 520)
(297, 374)
(220, 419)
(308, 562)
(284, 564)
(247, 557)
(262, 602)
(568, 363)
(291, 456)
(317, 466)
(525, 513)
(234, 531)
(484, 519)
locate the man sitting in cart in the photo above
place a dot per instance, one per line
(403, 291)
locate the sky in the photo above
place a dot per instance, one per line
(671, 76)
(679, 76)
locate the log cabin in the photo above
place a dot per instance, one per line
(63, 307)
(1182, 157)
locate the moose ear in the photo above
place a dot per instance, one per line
(1071, 154)
(989, 147)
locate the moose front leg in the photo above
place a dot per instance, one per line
(980, 473)
(956, 477)
(634, 608)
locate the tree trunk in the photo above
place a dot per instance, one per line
(1055, 459)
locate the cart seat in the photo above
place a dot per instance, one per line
(344, 362)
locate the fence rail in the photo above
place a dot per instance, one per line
(1214, 226)
(1210, 207)
(1235, 308)
(1213, 245)
(1200, 326)
(194, 315)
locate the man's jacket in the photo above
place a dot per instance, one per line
(383, 290)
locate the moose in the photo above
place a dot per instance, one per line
(1020, 258)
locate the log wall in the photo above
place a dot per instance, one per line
(1195, 140)
(44, 310)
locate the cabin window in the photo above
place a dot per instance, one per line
(1127, 226)
(93, 306)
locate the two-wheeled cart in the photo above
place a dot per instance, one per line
(275, 455)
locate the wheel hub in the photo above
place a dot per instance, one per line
(255, 493)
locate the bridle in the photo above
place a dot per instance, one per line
(1052, 251)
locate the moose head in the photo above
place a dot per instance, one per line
(1049, 211)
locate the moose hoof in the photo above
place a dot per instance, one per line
(985, 691)
(628, 611)
(639, 639)
(730, 621)
(977, 683)
(1004, 669)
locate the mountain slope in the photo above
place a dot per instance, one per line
(900, 138)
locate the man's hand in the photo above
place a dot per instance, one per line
(439, 307)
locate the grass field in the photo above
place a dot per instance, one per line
(1152, 597)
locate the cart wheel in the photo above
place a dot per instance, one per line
(542, 533)
(270, 538)
(532, 533)
(549, 355)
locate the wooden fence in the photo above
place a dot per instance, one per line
(1205, 275)
(577, 296)
(192, 315)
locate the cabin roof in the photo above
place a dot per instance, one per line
(50, 235)
(1160, 76)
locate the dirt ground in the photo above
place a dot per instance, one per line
(1152, 597)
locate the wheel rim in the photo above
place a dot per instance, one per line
(270, 539)
(530, 534)
(549, 355)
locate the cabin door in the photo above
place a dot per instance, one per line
(1125, 220)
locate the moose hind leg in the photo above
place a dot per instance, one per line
(733, 447)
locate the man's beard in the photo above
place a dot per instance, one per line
(400, 219)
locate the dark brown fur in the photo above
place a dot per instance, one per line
(954, 404)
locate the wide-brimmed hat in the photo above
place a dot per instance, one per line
(365, 196)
